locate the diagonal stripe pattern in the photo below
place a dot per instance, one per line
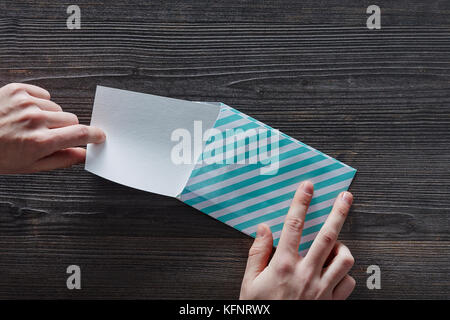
(240, 195)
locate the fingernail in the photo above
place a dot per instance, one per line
(103, 137)
(347, 197)
(260, 231)
(307, 187)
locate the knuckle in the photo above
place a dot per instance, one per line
(35, 116)
(32, 118)
(12, 88)
(23, 100)
(342, 211)
(304, 200)
(284, 266)
(348, 261)
(42, 139)
(82, 132)
(35, 141)
(294, 224)
(329, 237)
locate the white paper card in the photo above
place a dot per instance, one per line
(138, 127)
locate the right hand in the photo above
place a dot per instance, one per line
(36, 135)
(321, 274)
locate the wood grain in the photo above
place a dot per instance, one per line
(377, 100)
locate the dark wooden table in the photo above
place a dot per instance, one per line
(378, 100)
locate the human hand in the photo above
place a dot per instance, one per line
(36, 135)
(321, 274)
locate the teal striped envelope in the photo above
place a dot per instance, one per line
(242, 197)
(242, 178)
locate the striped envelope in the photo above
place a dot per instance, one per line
(242, 197)
(230, 180)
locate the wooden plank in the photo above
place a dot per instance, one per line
(189, 268)
(306, 12)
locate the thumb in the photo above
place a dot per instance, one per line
(259, 253)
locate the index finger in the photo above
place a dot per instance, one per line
(293, 224)
(75, 136)
(327, 236)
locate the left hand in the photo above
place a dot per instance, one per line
(36, 135)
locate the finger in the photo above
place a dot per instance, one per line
(327, 236)
(339, 266)
(331, 255)
(35, 91)
(259, 253)
(60, 159)
(59, 119)
(46, 105)
(293, 224)
(344, 288)
(74, 136)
